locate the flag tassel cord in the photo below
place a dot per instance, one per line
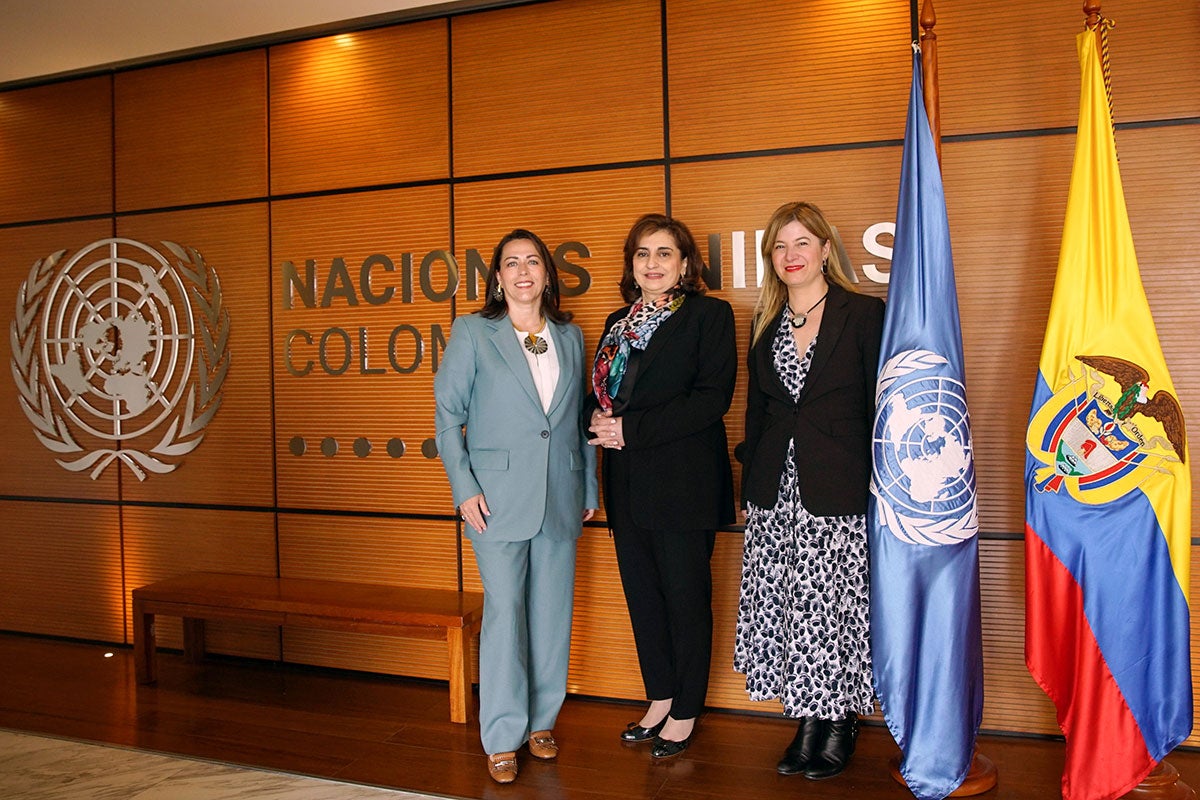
(1101, 25)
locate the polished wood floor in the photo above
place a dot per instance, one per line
(396, 733)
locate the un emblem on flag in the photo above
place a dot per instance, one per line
(923, 477)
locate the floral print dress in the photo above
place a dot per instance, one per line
(803, 633)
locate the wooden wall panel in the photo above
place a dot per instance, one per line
(234, 464)
(30, 467)
(192, 132)
(376, 407)
(360, 109)
(56, 150)
(1160, 169)
(749, 76)
(1011, 699)
(60, 574)
(559, 84)
(727, 688)
(1019, 76)
(603, 656)
(162, 542)
(393, 552)
(995, 189)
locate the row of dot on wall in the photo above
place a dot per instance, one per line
(361, 447)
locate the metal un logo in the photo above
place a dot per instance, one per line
(1104, 433)
(923, 476)
(119, 341)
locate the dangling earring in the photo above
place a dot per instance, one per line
(546, 291)
(825, 267)
(499, 293)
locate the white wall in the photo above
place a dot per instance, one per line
(48, 37)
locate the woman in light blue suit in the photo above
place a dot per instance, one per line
(509, 396)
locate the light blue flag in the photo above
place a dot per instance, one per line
(925, 633)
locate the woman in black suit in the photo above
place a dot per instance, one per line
(803, 625)
(662, 381)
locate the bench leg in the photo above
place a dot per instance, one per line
(144, 644)
(461, 707)
(193, 639)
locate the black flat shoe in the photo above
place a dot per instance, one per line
(636, 733)
(665, 748)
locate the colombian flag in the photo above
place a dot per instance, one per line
(1108, 493)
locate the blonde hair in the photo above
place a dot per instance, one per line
(773, 293)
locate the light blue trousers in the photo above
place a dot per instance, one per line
(525, 642)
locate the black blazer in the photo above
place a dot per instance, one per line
(831, 422)
(676, 453)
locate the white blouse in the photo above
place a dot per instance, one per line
(543, 366)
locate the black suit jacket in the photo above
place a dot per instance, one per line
(830, 423)
(676, 452)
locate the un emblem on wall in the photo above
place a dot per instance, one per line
(923, 476)
(121, 341)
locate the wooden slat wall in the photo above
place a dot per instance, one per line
(56, 151)
(1004, 296)
(61, 578)
(559, 116)
(1012, 74)
(356, 405)
(751, 76)
(193, 132)
(360, 109)
(566, 84)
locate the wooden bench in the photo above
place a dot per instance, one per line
(454, 617)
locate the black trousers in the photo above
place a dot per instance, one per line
(668, 589)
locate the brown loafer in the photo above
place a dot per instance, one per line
(503, 767)
(542, 745)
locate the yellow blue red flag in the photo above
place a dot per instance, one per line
(1108, 493)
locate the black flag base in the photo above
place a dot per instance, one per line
(1161, 784)
(980, 778)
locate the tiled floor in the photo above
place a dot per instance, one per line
(42, 767)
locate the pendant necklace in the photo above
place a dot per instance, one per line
(798, 321)
(534, 343)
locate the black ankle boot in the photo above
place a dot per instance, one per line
(804, 746)
(835, 753)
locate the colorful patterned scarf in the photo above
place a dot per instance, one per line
(633, 330)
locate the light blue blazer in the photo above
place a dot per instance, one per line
(534, 468)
